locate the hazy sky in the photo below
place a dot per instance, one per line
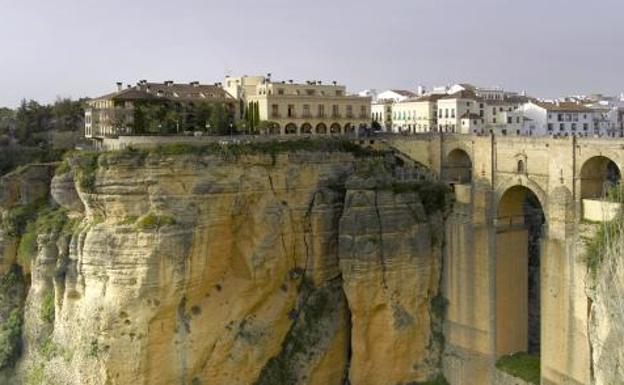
(82, 47)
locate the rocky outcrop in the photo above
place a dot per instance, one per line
(606, 290)
(262, 269)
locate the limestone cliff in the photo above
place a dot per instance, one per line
(295, 267)
(606, 291)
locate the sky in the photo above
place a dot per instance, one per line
(77, 48)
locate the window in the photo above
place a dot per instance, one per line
(336, 113)
(350, 112)
(321, 111)
(550, 126)
(517, 119)
(280, 91)
(520, 166)
(560, 117)
(275, 111)
(452, 112)
(291, 110)
(493, 110)
(310, 92)
(585, 126)
(306, 110)
(338, 93)
(481, 105)
(481, 113)
(561, 126)
(362, 111)
(573, 126)
(493, 120)
(446, 113)
(509, 120)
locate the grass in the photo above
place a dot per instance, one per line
(16, 219)
(153, 221)
(47, 308)
(47, 218)
(439, 380)
(87, 166)
(521, 365)
(235, 150)
(11, 339)
(598, 245)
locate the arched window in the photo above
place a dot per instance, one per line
(521, 166)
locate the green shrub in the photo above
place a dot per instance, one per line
(87, 166)
(152, 221)
(47, 219)
(11, 339)
(597, 247)
(439, 380)
(63, 167)
(27, 247)
(47, 308)
(15, 220)
(521, 365)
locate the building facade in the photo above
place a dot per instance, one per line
(558, 119)
(381, 112)
(290, 108)
(416, 115)
(116, 113)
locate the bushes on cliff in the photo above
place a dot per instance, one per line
(11, 339)
(48, 218)
(12, 293)
(521, 365)
(153, 221)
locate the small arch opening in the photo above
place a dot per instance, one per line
(599, 175)
(458, 167)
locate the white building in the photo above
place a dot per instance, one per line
(416, 115)
(558, 119)
(395, 95)
(381, 112)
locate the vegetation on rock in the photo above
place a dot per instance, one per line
(12, 291)
(522, 365)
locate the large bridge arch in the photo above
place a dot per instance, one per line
(520, 220)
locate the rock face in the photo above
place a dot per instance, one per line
(606, 328)
(190, 269)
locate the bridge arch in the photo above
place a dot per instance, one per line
(458, 166)
(520, 221)
(597, 175)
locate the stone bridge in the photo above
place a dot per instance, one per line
(511, 285)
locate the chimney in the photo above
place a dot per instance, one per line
(168, 83)
(119, 86)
